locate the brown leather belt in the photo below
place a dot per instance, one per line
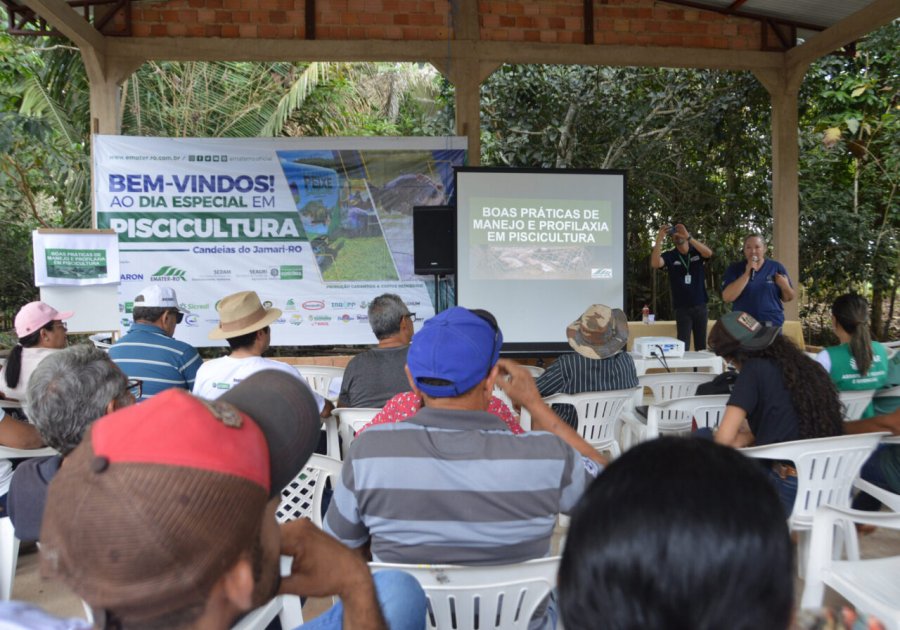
(784, 470)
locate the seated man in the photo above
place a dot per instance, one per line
(14, 433)
(452, 484)
(244, 324)
(148, 352)
(153, 528)
(599, 363)
(678, 533)
(376, 375)
(66, 393)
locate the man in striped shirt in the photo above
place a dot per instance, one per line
(599, 363)
(452, 484)
(148, 352)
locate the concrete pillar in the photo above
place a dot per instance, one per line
(783, 87)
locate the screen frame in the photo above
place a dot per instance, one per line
(544, 349)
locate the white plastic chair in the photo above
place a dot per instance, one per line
(302, 496)
(669, 385)
(888, 393)
(9, 544)
(351, 420)
(482, 598)
(102, 340)
(826, 470)
(674, 416)
(320, 377)
(599, 416)
(872, 585)
(855, 403)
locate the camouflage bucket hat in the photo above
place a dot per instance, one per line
(599, 333)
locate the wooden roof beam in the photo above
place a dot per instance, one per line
(853, 27)
(67, 21)
(214, 49)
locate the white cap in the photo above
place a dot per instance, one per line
(156, 296)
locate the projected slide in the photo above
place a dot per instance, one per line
(536, 247)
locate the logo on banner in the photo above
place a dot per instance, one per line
(341, 306)
(296, 319)
(267, 304)
(345, 318)
(169, 274)
(290, 305)
(129, 307)
(362, 318)
(125, 277)
(259, 274)
(192, 320)
(313, 305)
(606, 272)
(292, 272)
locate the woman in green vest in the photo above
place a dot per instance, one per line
(858, 362)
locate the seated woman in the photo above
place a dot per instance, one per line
(858, 363)
(41, 332)
(780, 394)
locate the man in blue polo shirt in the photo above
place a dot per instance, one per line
(758, 285)
(148, 352)
(687, 281)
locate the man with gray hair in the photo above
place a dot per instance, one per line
(67, 392)
(377, 375)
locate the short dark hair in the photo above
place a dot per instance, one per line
(386, 313)
(243, 341)
(149, 313)
(666, 525)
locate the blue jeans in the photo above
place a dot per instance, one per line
(401, 599)
(786, 488)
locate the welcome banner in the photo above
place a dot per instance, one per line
(318, 227)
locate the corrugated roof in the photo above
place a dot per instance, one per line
(802, 13)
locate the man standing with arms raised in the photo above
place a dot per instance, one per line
(687, 281)
(759, 285)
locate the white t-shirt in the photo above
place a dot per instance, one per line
(31, 357)
(6, 470)
(219, 375)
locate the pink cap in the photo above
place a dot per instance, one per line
(35, 315)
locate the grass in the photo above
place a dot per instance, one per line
(365, 258)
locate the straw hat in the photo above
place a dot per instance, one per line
(599, 333)
(242, 313)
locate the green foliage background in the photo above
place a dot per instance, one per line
(695, 145)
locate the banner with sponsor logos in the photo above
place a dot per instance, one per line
(318, 227)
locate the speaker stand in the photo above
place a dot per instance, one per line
(437, 293)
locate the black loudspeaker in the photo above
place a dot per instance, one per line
(434, 240)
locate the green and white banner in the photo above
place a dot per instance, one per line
(318, 227)
(74, 257)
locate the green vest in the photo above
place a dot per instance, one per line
(846, 376)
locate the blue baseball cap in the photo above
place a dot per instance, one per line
(455, 345)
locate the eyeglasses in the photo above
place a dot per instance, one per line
(136, 387)
(179, 316)
(60, 325)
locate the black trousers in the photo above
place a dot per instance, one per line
(692, 319)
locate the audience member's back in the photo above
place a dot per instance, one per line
(678, 533)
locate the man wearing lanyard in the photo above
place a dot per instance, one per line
(687, 280)
(758, 285)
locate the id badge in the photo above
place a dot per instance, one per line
(687, 278)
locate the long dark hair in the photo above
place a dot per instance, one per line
(852, 312)
(14, 360)
(813, 395)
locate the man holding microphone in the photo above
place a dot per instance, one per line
(758, 286)
(687, 281)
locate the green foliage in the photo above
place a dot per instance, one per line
(850, 167)
(694, 145)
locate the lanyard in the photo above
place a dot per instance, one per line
(686, 262)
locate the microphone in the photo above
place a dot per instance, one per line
(754, 260)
